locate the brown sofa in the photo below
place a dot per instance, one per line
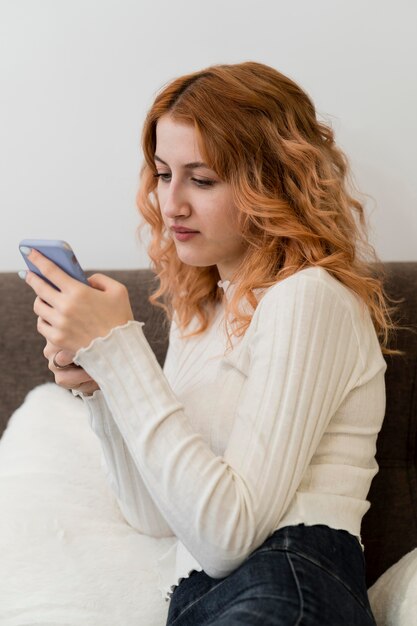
(389, 528)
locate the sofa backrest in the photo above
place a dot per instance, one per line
(389, 528)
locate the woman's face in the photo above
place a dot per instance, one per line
(193, 197)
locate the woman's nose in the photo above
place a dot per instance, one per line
(175, 202)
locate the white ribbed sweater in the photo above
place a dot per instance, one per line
(221, 450)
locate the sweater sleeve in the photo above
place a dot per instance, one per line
(304, 360)
(133, 498)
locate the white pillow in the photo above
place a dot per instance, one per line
(67, 556)
(393, 597)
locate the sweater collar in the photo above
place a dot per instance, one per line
(229, 288)
(224, 284)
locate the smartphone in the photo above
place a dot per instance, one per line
(60, 252)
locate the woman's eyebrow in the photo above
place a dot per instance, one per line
(188, 166)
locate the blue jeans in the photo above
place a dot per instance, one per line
(300, 576)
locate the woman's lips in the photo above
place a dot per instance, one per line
(185, 236)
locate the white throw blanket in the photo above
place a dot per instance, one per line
(67, 556)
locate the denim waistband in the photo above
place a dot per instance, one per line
(334, 550)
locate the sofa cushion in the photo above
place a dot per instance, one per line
(394, 595)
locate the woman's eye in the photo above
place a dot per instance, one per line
(162, 176)
(200, 182)
(203, 182)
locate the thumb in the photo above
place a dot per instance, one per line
(100, 281)
(63, 357)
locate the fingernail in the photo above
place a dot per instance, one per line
(22, 274)
(25, 250)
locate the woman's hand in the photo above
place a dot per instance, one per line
(76, 314)
(72, 378)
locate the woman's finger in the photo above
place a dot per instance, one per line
(49, 331)
(44, 310)
(59, 360)
(42, 288)
(52, 272)
(87, 388)
(65, 356)
(72, 378)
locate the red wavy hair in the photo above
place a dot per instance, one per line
(258, 130)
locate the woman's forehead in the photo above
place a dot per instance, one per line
(177, 141)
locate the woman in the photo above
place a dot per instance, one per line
(255, 445)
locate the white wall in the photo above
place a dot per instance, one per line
(77, 77)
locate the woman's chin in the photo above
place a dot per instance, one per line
(195, 260)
